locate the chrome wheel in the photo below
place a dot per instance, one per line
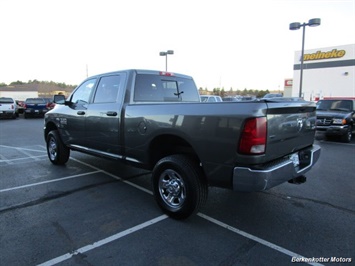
(179, 185)
(57, 152)
(52, 149)
(172, 188)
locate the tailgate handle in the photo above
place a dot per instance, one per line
(111, 113)
(81, 113)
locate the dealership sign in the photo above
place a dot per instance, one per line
(335, 53)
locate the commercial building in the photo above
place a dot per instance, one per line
(328, 72)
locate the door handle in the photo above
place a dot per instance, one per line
(81, 113)
(111, 113)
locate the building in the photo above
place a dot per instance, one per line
(34, 90)
(18, 93)
(327, 72)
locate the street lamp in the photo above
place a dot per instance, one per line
(296, 26)
(166, 57)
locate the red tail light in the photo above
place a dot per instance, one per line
(169, 74)
(12, 106)
(253, 139)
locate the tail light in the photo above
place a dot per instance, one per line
(169, 74)
(12, 106)
(253, 138)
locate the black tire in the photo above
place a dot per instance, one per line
(347, 137)
(179, 186)
(57, 152)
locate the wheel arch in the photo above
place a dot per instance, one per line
(169, 144)
(49, 127)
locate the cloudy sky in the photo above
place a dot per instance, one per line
(224, 43)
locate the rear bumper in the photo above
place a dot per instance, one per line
(10, 113)
(247, 179)
(34, 112)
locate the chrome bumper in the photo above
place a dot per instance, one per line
(246, 179)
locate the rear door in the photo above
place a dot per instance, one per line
(103, 116)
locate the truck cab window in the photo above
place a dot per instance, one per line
(107, 89)
(152, 88)
(82, 94)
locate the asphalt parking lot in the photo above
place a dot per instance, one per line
(98, 212)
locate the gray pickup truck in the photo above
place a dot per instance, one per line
(155, 120)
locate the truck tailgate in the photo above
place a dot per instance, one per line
(291, 127)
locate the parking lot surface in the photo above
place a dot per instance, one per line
(98, 212)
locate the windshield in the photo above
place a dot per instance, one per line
(336, 105)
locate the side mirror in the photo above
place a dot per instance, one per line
(59, 99)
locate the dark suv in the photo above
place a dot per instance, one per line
(335, 117)
(35, 107)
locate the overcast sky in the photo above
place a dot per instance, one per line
(224, 43)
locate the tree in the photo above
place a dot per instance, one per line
(17, 83)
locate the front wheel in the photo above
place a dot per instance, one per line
(347, 137)
(57, 152)
(179, 186)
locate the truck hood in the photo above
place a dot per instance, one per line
(332, 114)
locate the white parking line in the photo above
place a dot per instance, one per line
(103, 241)
(10, 161)
(115, 177)
(21, 148)
(28, 154)
(143, 225)
(49, 181)
(233, 229)
(254, 238)
(5, 160)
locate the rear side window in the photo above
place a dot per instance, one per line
(154, 88)
(107, 89)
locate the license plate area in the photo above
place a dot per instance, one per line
(295, 159)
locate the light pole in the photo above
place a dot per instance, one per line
(166, 57)
(314, 22)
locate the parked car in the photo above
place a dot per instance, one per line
(35, 107)
(20, 106)
(50, 103)
(231, 99)
(335, 117)
(210, 98)
(8, 108)
(272, 95)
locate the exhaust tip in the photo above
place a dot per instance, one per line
(298, 180)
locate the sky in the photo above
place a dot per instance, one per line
(221, 44)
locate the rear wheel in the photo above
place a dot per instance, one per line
(179, 186)
(57, 152)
